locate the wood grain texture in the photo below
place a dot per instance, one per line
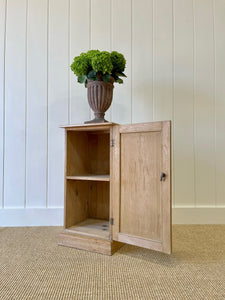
(98, 153)
(92, 228)
(76, 202)
(87, 154)
(15, 104)
(115, 182)
(98, 201)
(166, 188)
(88, 243)
(77, 153)
(90, 177)
(141, 202)
(36, 144)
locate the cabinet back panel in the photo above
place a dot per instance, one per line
(98, 153)
(98, 204)
(87, 153)
(140, 211)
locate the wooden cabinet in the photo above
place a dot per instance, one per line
(117, 187)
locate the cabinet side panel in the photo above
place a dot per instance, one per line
(140, 185)
(77, 193)
(77, 153)
(166, 188)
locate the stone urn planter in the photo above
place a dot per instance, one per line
(100, 95)
(98, 70)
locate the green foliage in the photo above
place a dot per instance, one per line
(99, 65)
(101, 62)
(80, 65)
(118, 62)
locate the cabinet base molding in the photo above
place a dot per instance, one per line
(88, 243)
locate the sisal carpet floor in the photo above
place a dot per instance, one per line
(32, 266)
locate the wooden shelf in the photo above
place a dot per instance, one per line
(90, 177)
(92, 228)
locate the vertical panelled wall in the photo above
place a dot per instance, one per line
(175, 51)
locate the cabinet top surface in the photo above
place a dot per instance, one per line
(80, 126)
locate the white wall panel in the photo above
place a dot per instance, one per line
(142, 61)
(219, 29)
(184, 156)
(175, 51)
(163, 60)
(36, 149)
(101, 31)
(204, 102)
(79, 42)
(57, 97)
(2, 93)
(15, 104)
(121, 42)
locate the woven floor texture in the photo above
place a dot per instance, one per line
(33, 266)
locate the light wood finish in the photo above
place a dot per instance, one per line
(166, 188)
(77, 153)
(98, 201)
(87, 154)
(141, 201)
(98, 153)
(76, 208)
(91, 227)
(88, 127)
(141, 127)
(115, 193)
(88, 243)
(90, 177)
(86, 199)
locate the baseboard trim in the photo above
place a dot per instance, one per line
(11, 217)
(198, 215)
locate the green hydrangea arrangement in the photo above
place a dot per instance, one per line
(99, 65)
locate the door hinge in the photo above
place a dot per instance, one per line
(111, 221)
(112, 143)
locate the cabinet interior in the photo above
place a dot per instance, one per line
(88, 153)
(87, 183)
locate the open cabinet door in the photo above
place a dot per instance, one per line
(141, 189)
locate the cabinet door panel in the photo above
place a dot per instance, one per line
(141, 202)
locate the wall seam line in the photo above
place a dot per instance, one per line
(26, 94)
(153, 64)
(4, 84)
(69, 84)
(47, 94)
(90, 39)
(110, 42)
(173, 104)
(214, 104)
(131, 54)
(194, 108)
